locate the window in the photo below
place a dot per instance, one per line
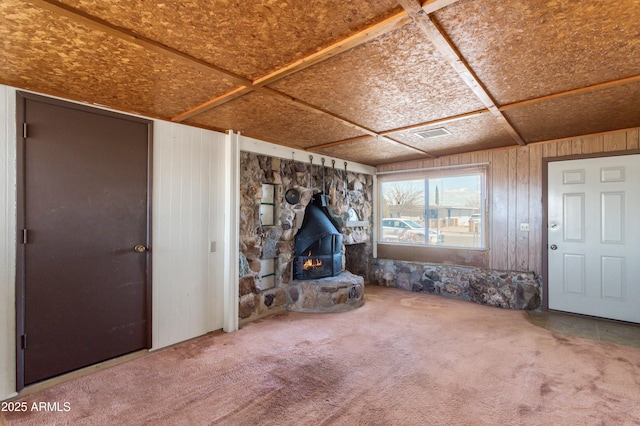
(438, 209)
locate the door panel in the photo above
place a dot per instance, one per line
(613, 217)
(613, 277)
(573, 207)
(594, 236)
(85, 208)
(574, 274)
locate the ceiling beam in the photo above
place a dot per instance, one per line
(438, 121)
(578, 91)
(212, 103)
(431, 6)
(378, 137)
(336, 143)
(449, 52)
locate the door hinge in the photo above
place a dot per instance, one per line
(23, 341)
(24, 130)
(24, 236)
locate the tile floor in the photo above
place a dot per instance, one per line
(625, 334)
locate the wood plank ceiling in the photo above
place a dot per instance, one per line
(352, 79)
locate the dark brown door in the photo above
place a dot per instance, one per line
(83, 288)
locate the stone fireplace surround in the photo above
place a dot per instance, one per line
(267, 251)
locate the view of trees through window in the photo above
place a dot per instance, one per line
(451, 217)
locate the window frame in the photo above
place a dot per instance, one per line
(432, 253)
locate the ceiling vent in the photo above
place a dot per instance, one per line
(433, 133)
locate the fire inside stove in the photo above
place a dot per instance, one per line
(315, 263)
(311, 263)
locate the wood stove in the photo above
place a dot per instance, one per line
(318, 245)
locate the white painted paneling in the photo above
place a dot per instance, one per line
(218, 164)
(184, 193)
(7, 241)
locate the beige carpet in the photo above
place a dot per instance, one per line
(402, 359)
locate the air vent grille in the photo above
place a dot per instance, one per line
(433, 133)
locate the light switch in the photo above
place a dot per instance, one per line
(213, 247)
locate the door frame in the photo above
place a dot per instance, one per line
(21, 99)
(545, 207)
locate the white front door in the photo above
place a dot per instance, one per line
(594, 237)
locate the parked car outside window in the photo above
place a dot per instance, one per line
(406, 230)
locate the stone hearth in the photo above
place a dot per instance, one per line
(342, 293)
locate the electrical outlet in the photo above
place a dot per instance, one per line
(524, 227)
(213, 247)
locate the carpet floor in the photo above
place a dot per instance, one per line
(402, 359)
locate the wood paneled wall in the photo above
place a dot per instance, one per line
(514, 191)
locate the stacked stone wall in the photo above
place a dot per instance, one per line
(504, 289)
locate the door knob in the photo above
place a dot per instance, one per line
(139, 248)
(553, 247)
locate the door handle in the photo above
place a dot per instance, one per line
(553, 247)
(139, 248)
